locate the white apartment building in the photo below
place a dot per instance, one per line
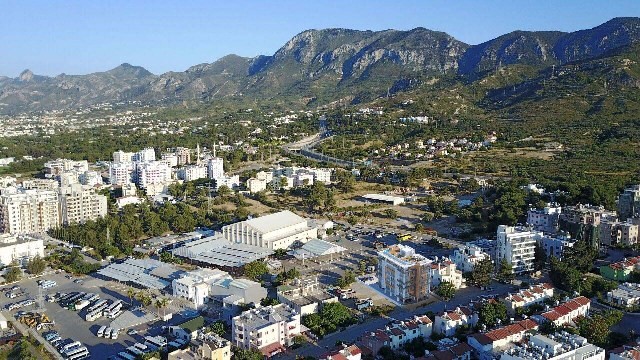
(59, 166)
(466, 257)
(256, 185)
(560, 346)
(183, 155)
(535, 294)
(231, 182)
(398, 333)
(403, 274)
(215, 168)
(120, 173)
(627, 295)
(28, 211)
(195, 284)
(517, 245)
(19, 249)
(567, 312)
(546, 219)
(273, 231)
(123, 157)
(278, 183)
(192, 172)
(445, 270)
(447, 322)
(40, 184)
(152, 172)
(268, 329)
(79, 203)
(264, 175)
(555, 245)
(170, 158)
(90, 178)
(145, 155)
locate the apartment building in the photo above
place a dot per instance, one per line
(556, 244)
(398, 333)
(268, 329)
(567, 312)
(629, 203)
(207, 346)
(545, 219)
(485, 344)
(192, 172)
(447, 322)
(19, 249)
(121, 173)
(620, 270)
(613, 232)
(517, 245)
(90, 178)
(403, 275)
(535, 294)
(79, 203)
(626, 295)
(40, 184)
(28, 211)
(256, 185)
(151, 172)
(145, 155)
(583, 222)
(123, 157)
(215, 168)
(559, 346)
(467, 256)
(306, 296)
(56, 167)
(445, 270)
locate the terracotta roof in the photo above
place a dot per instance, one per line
(452, 316)
(582, 300)
(528, 324)
(482, 339)
(442, 355)
(272, 349)
(547, 286)
(381, 335)
(537, 290)
(424, 319)
(562, 310)
(498, 334)
(461, 349)
(396, 331)
(465, 310)
(572, 305)
(517, 298)
(354, 350)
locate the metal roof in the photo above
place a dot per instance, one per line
(218, 251)
(276, 221)
(147, 273)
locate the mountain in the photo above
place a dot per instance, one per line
(316, 67)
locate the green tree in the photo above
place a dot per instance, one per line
(346, 279)
(247, 354)
(505, 272)
(255, 269)
(482, 271)
(446, 290)
(345, 181)
(36, 265)
(13, 274)
(269, 301)
(391, 213)
(492, 312)
(219, 328)
(540, 257)
(597, 328)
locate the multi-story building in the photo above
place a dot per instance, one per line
(120, 173)
(460, 351)
(256, 185)
(398, 333)
(273, 231)
(40, 184)
(517, 245)
(268, 329)
(183, 156)
(629, 203)
(403, 275)
(266, 176)
(90, 178)
(145, 155)
(56, 167)
(583, 222)
(215, 168)
(467, 256)
(614, 232)
(535, 294)
(626, 295)
(351, 352)
(28, 211)
(556, 244)
(152, 172)
(206, 346)
(445, 270)
(546, 219)
(485, 344)
(305, 296)
(19, 249)
(567, 312)
(447, 322)
(192, 172)
(79, 203)
(170, 158)
(123, 157)
(231, 182)
(621, 270)
(560, 346)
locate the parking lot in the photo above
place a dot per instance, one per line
(71, 324)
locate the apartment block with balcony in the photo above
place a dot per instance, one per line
(79, 203)
(517, 246)
(614, 233)
(403, 275)
(629, 203)
(28, 211)
(545, 219)
(269, 329)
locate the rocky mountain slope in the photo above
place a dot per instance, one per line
(319, 66)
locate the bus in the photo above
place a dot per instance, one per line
(117, 305)
(404, 237)
(98, 305)
(114, 314)
(155, 342)
(71, 346)
(142, 347)
(91, 297)
(81, 355)
(134, 350)
(100, 332)
(74, 351)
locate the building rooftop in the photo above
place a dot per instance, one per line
(216, 250)
(544, 347)
(276, 221)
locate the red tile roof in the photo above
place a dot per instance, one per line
(482, 339)
(551, 315)
(582, 300)
(452, 316)
(461, 349)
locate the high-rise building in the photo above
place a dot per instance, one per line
(122, 157)
(120, 173)
(215, 168)
(583, 222)
(79, 203)
(192, 172)
(144, 155)
(614, 232)
(183, 155)
(517, 245)
(152, 172)
(629, 203)
(546, 219)
(28, 211)
(403, 274)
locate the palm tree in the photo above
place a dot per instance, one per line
(161, 303)
(131, 294)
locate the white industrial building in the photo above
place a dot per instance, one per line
(142, 273)
(403, 274)
(387, 199)
(517, 245)
(273, 231)
(19, 248)
(28, 211)
(268, 329)
(560, 346)
(218, 251)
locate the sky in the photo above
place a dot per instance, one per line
(79, 36)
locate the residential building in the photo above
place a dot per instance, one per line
(206, 346)
(484, 344)
(183, 156)
(19, 249)
(273, 231)
(447, 322)
(555, 244)
(535, 294)
(40, 184)
(626, 295)
(517, 245)
(460, 351)
(145, 155)
(28, 211)
(626, 352)
(268, 329)
(546, 219)
(467, 256)
(123, 157)
(230, 293)
(344, 352)
(559, 346)
(629, 203)
(613, 232)
(583, 222)
(445, 270)
(398, 333)
(256, 185)
(120, 173)
(266, 176)
(90, 178)
(568, 311)
(621, 270)
(195, 285)
(79, 203)
(152, 172)
(403, 275)
(215, 168)
(306, 296)
(231, 182)
(192, 172)
(488, 246)
(56, 167)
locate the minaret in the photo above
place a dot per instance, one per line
(198, 154)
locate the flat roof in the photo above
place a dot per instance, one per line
(382, 197)
(276, 221)
(218, 251)
(147, 273)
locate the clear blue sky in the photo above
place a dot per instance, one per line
(83, 36)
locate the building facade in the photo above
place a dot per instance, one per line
(403, 275)
(629, 203)
(614, 233)
(559, 346)
(268, 329)
(517, 245)
(546, 219)
(466, 257)
(28, 211)
(79, 204)
(19, 249)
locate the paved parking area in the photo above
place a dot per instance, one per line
(71, 324)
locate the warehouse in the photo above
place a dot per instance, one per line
(142, 273)
(219, 252)
(380, 198)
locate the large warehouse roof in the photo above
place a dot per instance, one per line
(218, 251)
(317, 247)
(147, 273)
(395, 200)
(276, 221)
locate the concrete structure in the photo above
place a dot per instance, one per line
(629, 203)
(568, 311)
(273, 231)
(403, 275)
(56, 167)
(447, 322)
(546, 219)
(626, 295)
(120, 173)
(555, 244)
(218, 251)
(195, 285)
(231, 182)
(40, 184)
(535, 294)
(398, 333)
(206, 346)
(256, 185)
(215, 168)
(28, 211)
(621, 270)
(19, 249)
(305, 296)
(445, 270)
(268, 329)
(79, 203)
(583, 222)
(614, 233)
(387, 199)
(517, 245)
(484, 344)
(152, 172)
(123, 157)
(560, 346)
(467, 256)
(90, 178)
(145, 155)
(192, 172)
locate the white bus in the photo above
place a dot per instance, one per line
(107, 333)
(117, 305)
(100, 332)
(91, 297)
(81, 355)
(142, 347)
(134, 350)
(114, 314)
(75, 351)
(155, 342)
(114, 334)
(71, 346)
(47, 284)
(100, 304)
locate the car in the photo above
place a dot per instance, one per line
(77, 281)
(132, 332)
(15, 288)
